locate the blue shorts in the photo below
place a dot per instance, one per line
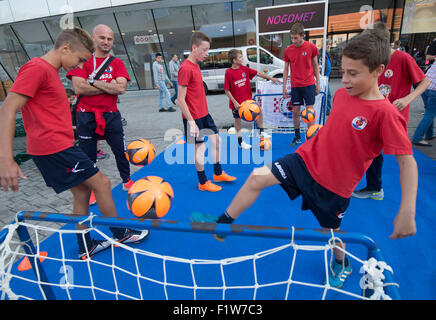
(65, 169)
(295, 179)
(206, 125)
(303, 95)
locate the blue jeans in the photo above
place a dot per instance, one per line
(163, 91)
(329, 99)
(176, 88)
(425, 127)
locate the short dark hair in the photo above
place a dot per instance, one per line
(76, 38)
(158, 55)
(197, 37)
(371, 46)
(233, 54)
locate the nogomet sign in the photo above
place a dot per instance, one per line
(279, 19)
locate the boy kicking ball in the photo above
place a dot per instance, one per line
(363, 124)
(39, 94)
(237, 87)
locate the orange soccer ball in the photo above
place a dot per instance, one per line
(140, 152)
(249, 110)
(312, 131)
(150, 197)
(308, 115)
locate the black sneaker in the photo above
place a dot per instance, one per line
(171, 109)
(94, 247)
(163, 110)
(295, 142)
(132, 236)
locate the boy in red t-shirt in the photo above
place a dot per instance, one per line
(395, 84)
(237, 87)
(197, 121)
(361, 125)
(39, 94)
(301, 57)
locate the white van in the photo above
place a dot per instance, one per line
(214, 67)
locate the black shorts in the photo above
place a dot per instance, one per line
(303, 95)
(295, 179)
(65, 169)
(206, 125)
(236, 114)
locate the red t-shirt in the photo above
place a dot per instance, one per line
(105, 102)
(237, 81)
(300, 60)
(396, 82)
(46, 115)
(190, 76)
(355, 133)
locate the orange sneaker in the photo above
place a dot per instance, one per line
(223, 177)
(209, 186)
(127, 185)
(92, 200)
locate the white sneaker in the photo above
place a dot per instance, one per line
(245, 145)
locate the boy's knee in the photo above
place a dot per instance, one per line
(257, 178)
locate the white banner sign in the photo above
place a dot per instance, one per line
(277, 112)
(148, 39)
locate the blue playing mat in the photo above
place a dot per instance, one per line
(412, 259)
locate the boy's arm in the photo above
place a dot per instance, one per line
(232, 99)
(404, 222)
(9, 169)
(316, 71)
(405, 101)
(268, 77)
(285, 79)
(181, 95)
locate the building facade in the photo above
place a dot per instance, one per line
(28, 28)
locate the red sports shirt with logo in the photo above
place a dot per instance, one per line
(237, 81)
(355, 133)
(46, 115)
(104, 102)
(190, 75)
(400, 73)
(300, 60)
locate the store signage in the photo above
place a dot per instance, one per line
(146, 39)
(280, 19)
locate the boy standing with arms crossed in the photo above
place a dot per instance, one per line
(39, 94)
(363, 124)
(301, 57)
(237, 87)
(197, 121)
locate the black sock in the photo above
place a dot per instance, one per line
(118, 232)
(260, 130)
(217, 168)
(202, 177)
(81, 243)
(239, 140)
(225, 218)
(297, 134)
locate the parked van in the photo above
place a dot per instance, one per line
(214, 67)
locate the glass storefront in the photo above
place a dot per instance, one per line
(148, 28)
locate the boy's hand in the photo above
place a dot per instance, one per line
(237, 105)
(318, 88)
(404, 226)
(193, 128)
(401, 103)
(9, 174)
(285, 93)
